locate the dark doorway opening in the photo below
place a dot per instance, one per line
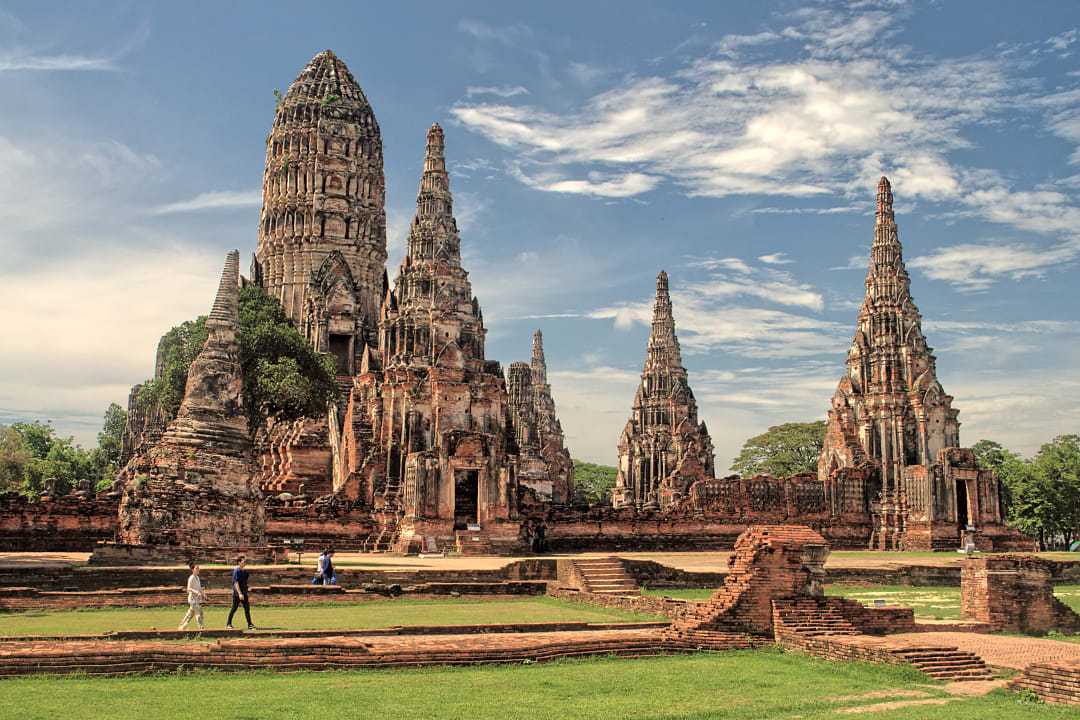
(339, 348)
(466, 498)
(962, 503)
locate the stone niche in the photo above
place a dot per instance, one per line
(1013, 593)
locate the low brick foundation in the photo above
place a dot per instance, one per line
(1056, 682)
(646, 604)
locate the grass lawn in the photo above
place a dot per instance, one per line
(320, 616)
(941, 603)
(750, 685)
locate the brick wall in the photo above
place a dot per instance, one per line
(1013, 593)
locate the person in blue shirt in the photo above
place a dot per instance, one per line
(240, 593)
(328, 575)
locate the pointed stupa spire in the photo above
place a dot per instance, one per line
(226, 307)
(663, 345)
(886, 277)
(433, 233)
(539, 362)
(884, 220)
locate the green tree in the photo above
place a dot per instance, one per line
(782, 450)
(15, 455)
(111, 437)
(38, 437)
(593, 483)
(176, 352)
(283, 375)
(1057, 472)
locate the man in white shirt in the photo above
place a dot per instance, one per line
(195, 596)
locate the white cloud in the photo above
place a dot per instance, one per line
(215, 200)
(778, 258)
(503, 91)
(852, 105)
(974, 267)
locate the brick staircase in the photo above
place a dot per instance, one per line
(472, 542)
(945, 663)
(812, 617)
(605, 576)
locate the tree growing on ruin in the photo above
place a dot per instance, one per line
(284, 376)
(782, 450)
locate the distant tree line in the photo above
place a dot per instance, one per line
(1041, 493)
(35, 460)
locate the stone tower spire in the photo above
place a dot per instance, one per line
(663, 448)
(322, 230)
(663, 348)
(213, 405)
(434, 230)
(539, 364)
(889, 410)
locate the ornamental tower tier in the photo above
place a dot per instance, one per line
(663, 448)
(322, 230)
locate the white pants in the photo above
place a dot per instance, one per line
(195, 611)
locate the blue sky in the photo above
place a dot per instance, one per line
(736, 145)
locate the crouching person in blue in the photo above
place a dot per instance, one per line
(240, 593)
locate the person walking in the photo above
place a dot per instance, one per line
(195, 597)
(320, 570)
(240, 593)
(328, 577)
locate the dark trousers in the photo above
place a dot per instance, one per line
(237, 602)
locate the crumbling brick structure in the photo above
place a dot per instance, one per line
(194, 486)
(544, 464)
(663, 449)
(1013, 593)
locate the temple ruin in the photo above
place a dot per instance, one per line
(194, 486)
(429, 446)
(663, 449)
(544, 464)
(892, 439)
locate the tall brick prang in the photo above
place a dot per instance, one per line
(663, 449)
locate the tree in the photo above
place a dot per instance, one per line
(38, 437)
(14, 456)
(111, 436)
(283, 375)
(176, 351)
(593, 483)
(1057, 470)
(782, 450)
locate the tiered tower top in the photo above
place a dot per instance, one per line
(663, 349)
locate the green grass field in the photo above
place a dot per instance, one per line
(748, 685)
(941, 603)
(370, 614)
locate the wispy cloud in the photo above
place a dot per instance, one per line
(503, 91)
(973, 267)
(215, 200)
(845, 105)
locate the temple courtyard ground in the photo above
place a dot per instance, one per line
(735, 684)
